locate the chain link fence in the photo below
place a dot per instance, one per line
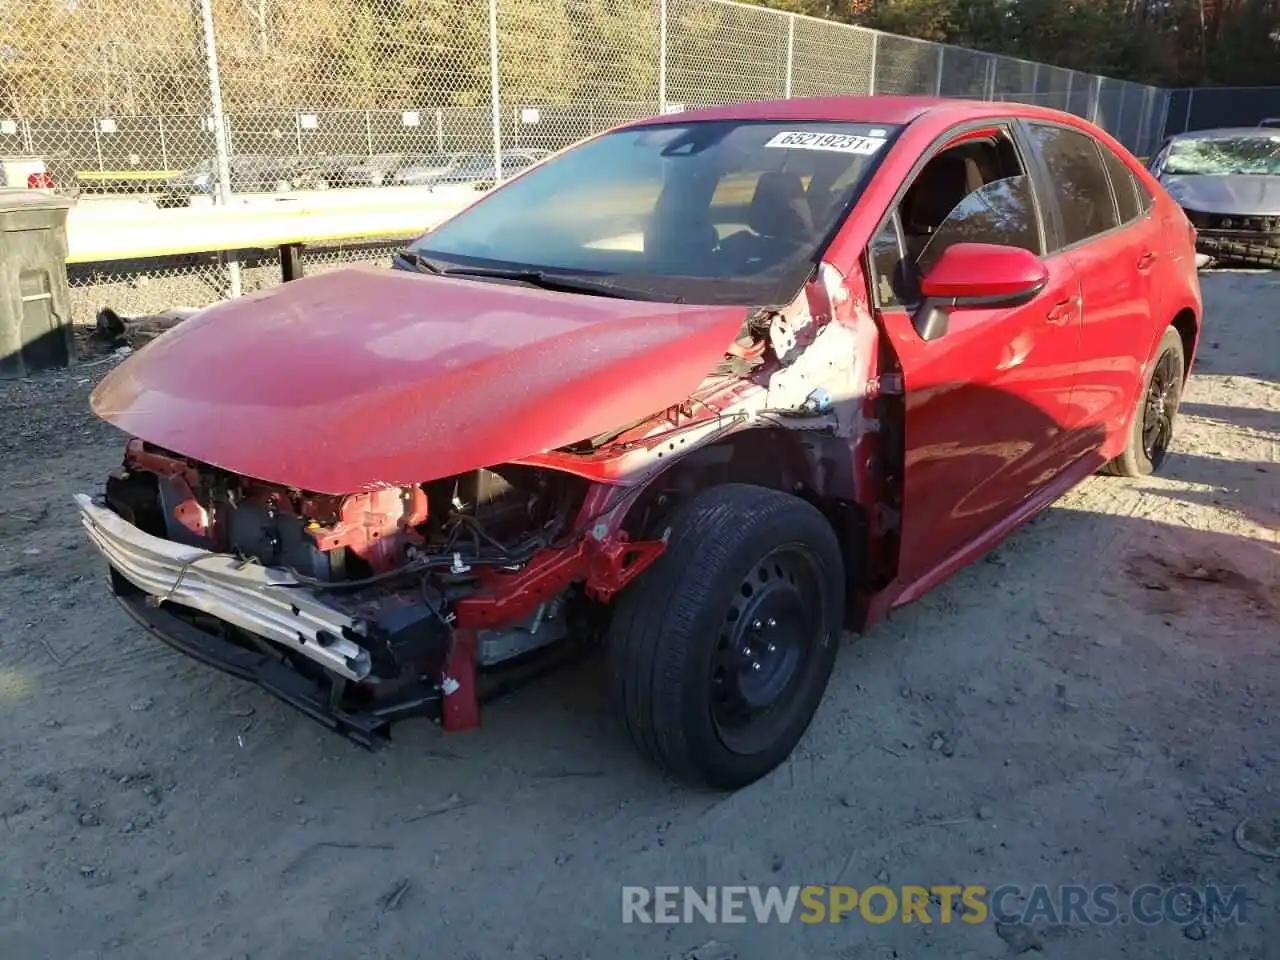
(176, 101)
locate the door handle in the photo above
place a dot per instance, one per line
(1061, 312)
(1145, 261)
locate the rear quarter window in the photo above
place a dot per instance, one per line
(1125, 185)
(1146, 200)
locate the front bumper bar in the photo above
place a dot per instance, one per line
(148, 574)
(261, 600)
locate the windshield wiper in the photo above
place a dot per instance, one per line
(599, 286)
(542, 279)
(417, 261)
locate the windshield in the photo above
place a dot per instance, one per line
(710, 212)
(1225, 155)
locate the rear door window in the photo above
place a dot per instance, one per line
(1079, 180)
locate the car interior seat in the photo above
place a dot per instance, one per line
(680, 229)
(779, 219)
(780, 208)
(946, 180)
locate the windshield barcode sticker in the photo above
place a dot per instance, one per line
(837, 142)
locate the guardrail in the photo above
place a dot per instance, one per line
(105, 233)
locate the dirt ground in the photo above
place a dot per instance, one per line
(1094, 704)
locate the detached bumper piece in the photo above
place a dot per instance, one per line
(260, 600)
(258, 624)
(355, 663)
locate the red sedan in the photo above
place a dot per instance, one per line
(705, 389)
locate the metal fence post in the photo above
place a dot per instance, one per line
(1164, 118)
(937, 84)
(1071, 76)
(875, 50)
(1148, 104)
(164, 149)
(1097, 100)
(662, 56)
(1118, 132)
(791, 47)
(989, 87)
(222, 160)
(222, 155)
(1186, 121)
(495, 81)
(1035, 84)
(368, 134)
(439, 130)
(231, 141)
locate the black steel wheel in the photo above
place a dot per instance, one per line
(720, 653)
(1153, 421)
(766, 637)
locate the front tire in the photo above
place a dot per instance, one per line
(720, 653)
(1152, 429)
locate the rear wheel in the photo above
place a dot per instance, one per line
(1152, 429)
(720, 653)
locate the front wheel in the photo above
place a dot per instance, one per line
(721, 651)
(1152, 429)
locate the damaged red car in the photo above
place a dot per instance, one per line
(703, 391)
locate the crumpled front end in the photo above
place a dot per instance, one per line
(269, 602)
(407, 537)
(368, 608)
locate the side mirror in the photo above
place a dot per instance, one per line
(977, 275)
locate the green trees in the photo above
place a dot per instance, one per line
(1163, 42)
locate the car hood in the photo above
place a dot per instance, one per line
(1234, 194)
(366, 377)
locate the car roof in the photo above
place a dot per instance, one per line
(1217, 132)
(858, 109)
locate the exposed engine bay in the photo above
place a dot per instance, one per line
(496, 517)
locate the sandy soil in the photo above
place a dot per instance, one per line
(1093, 704)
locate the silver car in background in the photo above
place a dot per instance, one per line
(424, 170)
(1228, 183)
(474, 169)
